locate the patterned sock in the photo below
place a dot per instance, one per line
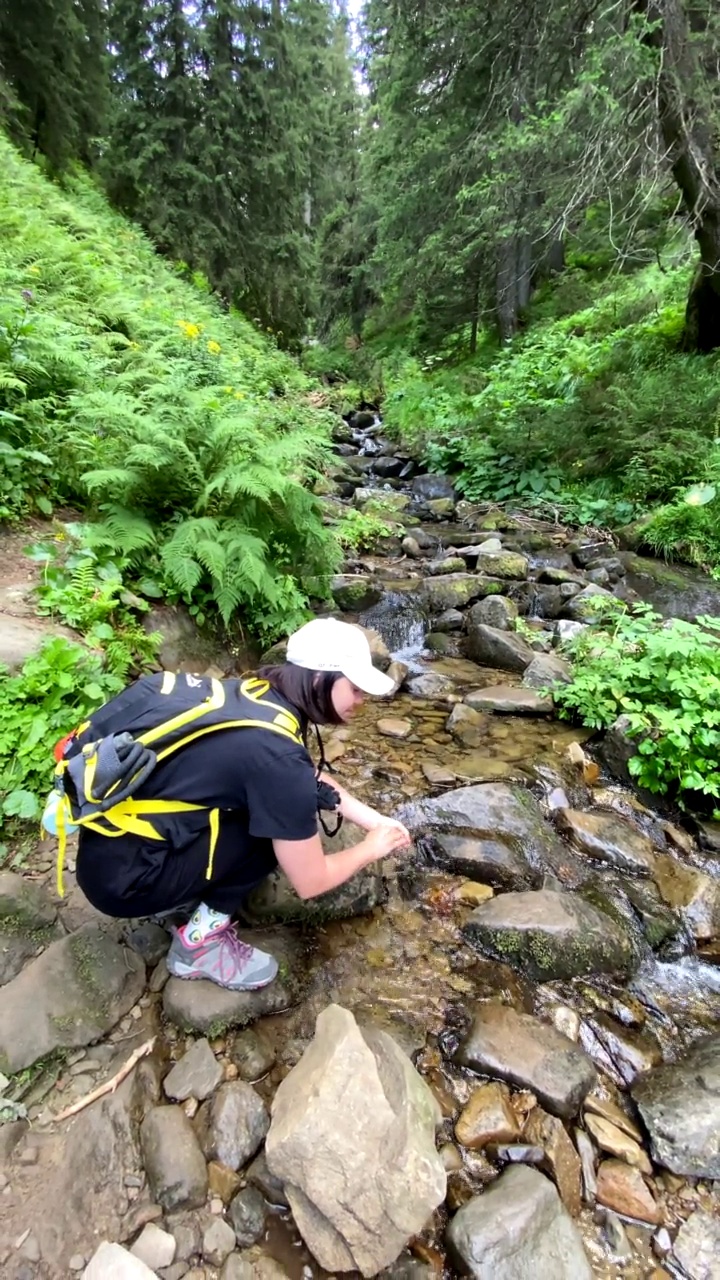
(203, 921)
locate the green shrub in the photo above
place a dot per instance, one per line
(665, 677)
(362, 530)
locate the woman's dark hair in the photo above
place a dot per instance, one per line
(310, 692)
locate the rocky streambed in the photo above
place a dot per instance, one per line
(499, 1056)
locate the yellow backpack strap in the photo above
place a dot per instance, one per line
(214, 833)
(256, 689)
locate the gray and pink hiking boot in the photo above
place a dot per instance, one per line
(223, 958)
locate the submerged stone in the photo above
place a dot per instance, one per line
(509, 700)
(548, 935)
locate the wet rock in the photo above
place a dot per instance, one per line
(560, 1158)
(223, 1182)
(498, 816)
(440, 643)
(586, 1152)
(354, 592)
(616, 1143)
(431, 686)
(611, 565)
(623, 1189)
(391, 727)
(548, 935)
(27, 922)
(218, 1242)
(196, 1075)
(71, 995)
(599, 577)
(487, 1117)
(440, 509)
(556, 575)
(392, 502)
(258, 1175)
(247, 1213)
(509, 700)
(112, 1262)
(610, 1111)
(507, 565)
(522, 1050)
(429, 487)
(355, 1112)
(694, 894)
(467, 725)
(388, 466)
(618, 748)
(608, 838)
(276, 900)
(252, 1054)
(173, 1160)
(660, 924)
(584, 607)
(450, 564)
(437, 775)
(547, 670)
(517, 1229)
(632, 1052)
(150, 941)
(697, 1246)
(495, 611)
(452, 591)
(565, 630)
(450, 620)
(494, 648)
(154, 1247)
(584, 551)
(232, 1124)
(680, 1106)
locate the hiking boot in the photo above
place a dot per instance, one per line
(223, 958)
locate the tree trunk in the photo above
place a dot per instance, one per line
(682, 96)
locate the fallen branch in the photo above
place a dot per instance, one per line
(110, 1085)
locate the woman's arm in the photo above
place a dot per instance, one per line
(311, 871)
(361, 814)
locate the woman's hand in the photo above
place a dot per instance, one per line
(380, 821)
(386, 838)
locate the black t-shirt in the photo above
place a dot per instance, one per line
(264, 786)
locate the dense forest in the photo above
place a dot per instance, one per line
(502, 222)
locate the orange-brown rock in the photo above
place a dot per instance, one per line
(487, 1117)
(623, 1189)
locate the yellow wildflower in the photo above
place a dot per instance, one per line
(34, 269)
(214, 348)
(228, 391)
(239, 395)
(190, 330)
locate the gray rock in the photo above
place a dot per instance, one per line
(632, 1052)
(450, 620)
(526, 1052)
(494, 611)
(112, 1262)
(494, 648)
(488, 861)
(453, 591)
(247, 1213)
(697, 1246)
(232, 1124)
(252, 1054)
(547, 670)
(173, 1160)
(584, 606)
(548, 935)
(509, 700)
(556, 576)
(508, 565)
(692, 893)
(680, 1105)
(565, 631)
(150, 941)
(584, 551)
(388, 466)
(450, 564)
(28, 922)
(22, 638)
(599, 577)
(613, 566)
(154, 1247)
(467, 725)
(500, 814)
(218, 1242)
(276, 900)
(618, 749)
(608, 838)
(517, 1230)
(354, 592)
(354, 1113)
(72, 994)
(259, 1175)
(431, 686)
(196, 1075)
(411, 547)
(205, 1007)
(429, 487)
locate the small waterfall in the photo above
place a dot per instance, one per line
(401, 623)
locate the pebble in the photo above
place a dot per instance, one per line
(567, 1021)
(132, 1180)
(662, 1242)
(218, 1242)
(28, 1155)
(154, 1247)
(216, 1205)
(487, 1117)
(77, 1262)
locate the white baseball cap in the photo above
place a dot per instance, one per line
(325, 644)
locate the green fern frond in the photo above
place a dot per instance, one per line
(121, 530)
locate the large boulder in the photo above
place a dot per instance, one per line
(517, 1230)
(497, 814)
(28, 922)
(548, 935)
(492, 647)
(509, 700)
(609, 838)
(528, 1053)
(494, 611)
(504, 866)
(680, 1105)
(353, 592)
(352, 1138)
(691, 892)
(73, 994)
(429, 487)
(509, 565)
(586, 606)
(545, 671)
(454, 590)
(112, 1262)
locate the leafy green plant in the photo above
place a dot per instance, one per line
(665, 678)
(56, 690)
(362, 530)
